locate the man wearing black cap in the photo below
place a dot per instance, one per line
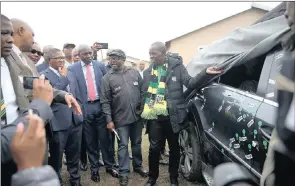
(68, 51)
(120, 98)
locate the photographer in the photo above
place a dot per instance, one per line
(40, 106)
(28, 148)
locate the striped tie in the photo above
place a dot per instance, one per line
(2, 110)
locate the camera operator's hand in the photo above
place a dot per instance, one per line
(28, 147)
(63, 71)
(42, 90)
(96, 47)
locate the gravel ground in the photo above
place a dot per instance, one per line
(134, 179)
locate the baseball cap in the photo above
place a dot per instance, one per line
(117, 52)
(69, 45)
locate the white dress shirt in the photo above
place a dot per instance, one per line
(8, 93)
(141, 73)
(84, 68)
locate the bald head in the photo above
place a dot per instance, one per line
(46, 51)
(85, 53)
(23, 35)
(158, 52)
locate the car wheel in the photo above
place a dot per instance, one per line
(190, 158)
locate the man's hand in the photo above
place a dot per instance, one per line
(28, 147)
(72, 103)
(63, 71)
(111, 126)
(96, 47)
(42, 90)
(213, 70)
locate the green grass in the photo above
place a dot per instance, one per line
(134, 179)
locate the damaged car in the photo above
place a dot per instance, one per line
(231, 117)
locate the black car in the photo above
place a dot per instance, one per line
(231, 117)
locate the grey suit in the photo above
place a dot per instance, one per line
(23, 97)
(40, 108)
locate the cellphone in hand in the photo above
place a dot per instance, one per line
(102, 45)
(28, 82)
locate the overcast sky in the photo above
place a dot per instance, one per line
(131, 26)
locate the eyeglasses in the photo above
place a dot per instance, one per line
(33, 51)
(58, 58)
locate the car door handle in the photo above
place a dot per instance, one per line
(264, 133)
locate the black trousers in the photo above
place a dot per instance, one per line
(157, 131)
(83, 157)
(95, 131)
(68, 141)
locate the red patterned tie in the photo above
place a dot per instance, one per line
(90, 83)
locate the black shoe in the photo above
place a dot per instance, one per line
(114, 173)
(150, 182)
(123, 180)
(95, 177)
(83, 166)
(130, 157)
(174, 182)
(142, 172)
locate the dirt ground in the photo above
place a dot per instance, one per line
(134, 179)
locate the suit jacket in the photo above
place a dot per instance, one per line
(40, 108)
(43, 66)
(64, 117)
(16, 69)
(32, 65)
(77, 71)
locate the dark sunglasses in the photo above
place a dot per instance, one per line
(38, 52)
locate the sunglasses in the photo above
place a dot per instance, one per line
(38, 52)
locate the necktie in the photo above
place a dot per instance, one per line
(2, 108)
(90, 83)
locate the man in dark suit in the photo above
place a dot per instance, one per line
(88, 74)
(44, 65)
(66, 126)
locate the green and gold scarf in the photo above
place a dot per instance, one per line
(155, 103)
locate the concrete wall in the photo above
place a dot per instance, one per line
(188, 45)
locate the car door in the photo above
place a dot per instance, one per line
(230, 115)
(267, 112)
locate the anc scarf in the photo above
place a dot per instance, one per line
(155, 103)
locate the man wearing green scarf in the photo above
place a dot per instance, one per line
(164, 106)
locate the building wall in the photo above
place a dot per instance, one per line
(188, 45)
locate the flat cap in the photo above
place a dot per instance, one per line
(71, 45)
(117, 52)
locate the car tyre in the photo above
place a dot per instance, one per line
(190, 164)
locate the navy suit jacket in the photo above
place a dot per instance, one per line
(42, 67)
(63, 115)
(77, 71)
